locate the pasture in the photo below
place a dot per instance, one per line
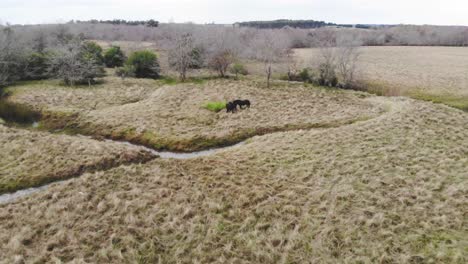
(438, 74)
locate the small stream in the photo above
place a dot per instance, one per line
(19, 116)
(11, 197)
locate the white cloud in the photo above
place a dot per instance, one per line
(447, 12)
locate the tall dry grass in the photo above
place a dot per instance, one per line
(385, 190)
(29, 158)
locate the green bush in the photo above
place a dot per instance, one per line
(126, 71)
(197, 59)
(36, 66)
(92, 51)
(114, 57)
(145, 64)
(238, 68)
(305, 76)
(215, 106)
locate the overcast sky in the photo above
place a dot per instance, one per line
(438, 12)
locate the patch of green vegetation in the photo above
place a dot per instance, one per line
(215, 106)
(437, 244)
(460, 102)
(170, 80)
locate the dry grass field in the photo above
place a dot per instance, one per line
(29, 158)
(172, 117)
(389, 189)
(438, 74)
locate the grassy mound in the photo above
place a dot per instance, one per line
(170, 117)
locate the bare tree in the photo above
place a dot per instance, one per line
(181, 55)
(292, 64)
(339, 54)
(221, 61)
(347, 59)
(269, 49)
(325, 40)
(221, 47)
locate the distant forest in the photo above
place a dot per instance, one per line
(305, 24)
(148, 23)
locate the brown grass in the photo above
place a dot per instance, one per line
(432, 73)
(29, 159)
(172, 117)
(386, 190)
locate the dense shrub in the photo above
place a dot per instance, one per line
(36, 66)
(145, 64)
(305, 76)
(114, 57)
(92, 51)
(126, 71)
(12, 58)
(75, 63)
(238, 68)
(328, 75)
(197, 58)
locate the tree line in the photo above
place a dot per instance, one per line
(148, 23)
(303, 24)
(74, 59)
(281, 23)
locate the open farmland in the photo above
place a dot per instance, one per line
(437, 74)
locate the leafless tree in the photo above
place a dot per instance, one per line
(181, 55)
(325, 40)
(222, 47)
(269, 49)
(347, 59)
(339, 55)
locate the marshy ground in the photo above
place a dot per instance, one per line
(326, 176)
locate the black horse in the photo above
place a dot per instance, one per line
(232, 106)
(242, 103)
